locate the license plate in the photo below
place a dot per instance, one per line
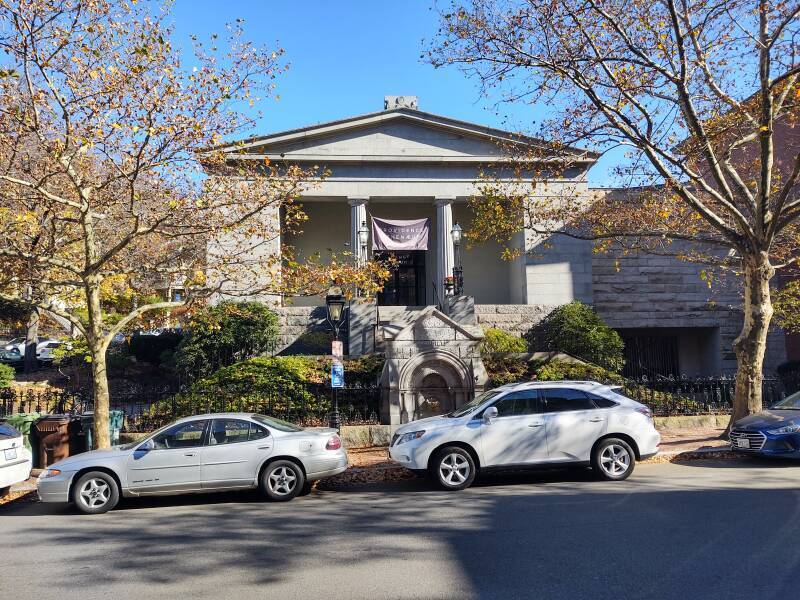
(10, 454)
(743, 443)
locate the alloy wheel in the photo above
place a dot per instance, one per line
(282, 481)
(95, 493)
(615, 460)
(454, 469)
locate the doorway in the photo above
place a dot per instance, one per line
(406, 283)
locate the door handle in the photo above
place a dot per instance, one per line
(596, 419)
(191, 454)
(535, 424)
(264, 447)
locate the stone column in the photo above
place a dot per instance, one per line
(444, 243)
(358, 216)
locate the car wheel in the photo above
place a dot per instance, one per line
(95, 492)
(453, 468)
(613, 459)
(282, 480)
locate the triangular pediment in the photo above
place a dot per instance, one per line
(401, 134)
(431, 324)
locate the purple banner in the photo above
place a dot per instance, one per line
(389, 234)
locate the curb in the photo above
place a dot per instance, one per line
(392, 472)
(687, 455)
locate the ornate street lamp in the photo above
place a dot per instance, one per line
(458, 271)
(334, 302)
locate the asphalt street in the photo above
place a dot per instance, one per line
(704, 529)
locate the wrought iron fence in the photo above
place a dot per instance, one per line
(309, 406)
(669, 396)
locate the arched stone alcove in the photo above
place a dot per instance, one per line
(432, 383)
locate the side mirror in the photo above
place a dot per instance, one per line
(147, 446)
(489, 414)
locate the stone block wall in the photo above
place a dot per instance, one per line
(513, 318)
(305, 330)
(646, 291)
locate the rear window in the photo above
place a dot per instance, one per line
(278, 424)
(566, 400)
(7, 432)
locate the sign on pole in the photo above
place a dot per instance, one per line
(337, 349)
(337, 374)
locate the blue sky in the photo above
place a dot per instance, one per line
(346, 55)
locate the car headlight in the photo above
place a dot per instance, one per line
(790, 428)
(49, 473)
(407, 437)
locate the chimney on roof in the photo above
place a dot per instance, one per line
(393, 102)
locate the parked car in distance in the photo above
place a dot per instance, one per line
(12, 357)
(530, 424)
(772, 432)
(18, 343)
(44, 351)
(214, 452)
(15, 458)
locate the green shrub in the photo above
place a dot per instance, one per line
(497, 341)
(558, 370)
(224, 334)
(576, 329)
(6, 375)
(282, 384)
(313, 342)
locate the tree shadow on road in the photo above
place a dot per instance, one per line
(549, 534)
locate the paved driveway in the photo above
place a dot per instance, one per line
(705, 529)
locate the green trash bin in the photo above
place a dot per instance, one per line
(115, 418)
(87, 420)
(24, 422)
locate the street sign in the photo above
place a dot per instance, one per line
(337, 349)
(337, 374)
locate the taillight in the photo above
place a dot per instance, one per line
(334, 443)
(645, 411)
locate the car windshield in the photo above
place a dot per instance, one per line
(789, 403)
(278, 424)
(474, 403)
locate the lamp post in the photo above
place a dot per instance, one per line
(458, 271)
(334, 303)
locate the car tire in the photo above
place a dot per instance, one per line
(282, 480)
(613, 459)
(453, 468)
(95, 492)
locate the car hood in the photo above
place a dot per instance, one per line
(428, 423)
(91, 456)
(767, 418)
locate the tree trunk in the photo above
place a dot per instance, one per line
(31, 340)
(751, 343)
(97, 347)
(100, 432)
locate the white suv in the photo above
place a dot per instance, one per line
(528, 424)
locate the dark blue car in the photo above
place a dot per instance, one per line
(772, 432)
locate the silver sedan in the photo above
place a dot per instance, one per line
(215, 452)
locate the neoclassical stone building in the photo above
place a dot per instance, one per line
(401, 165)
